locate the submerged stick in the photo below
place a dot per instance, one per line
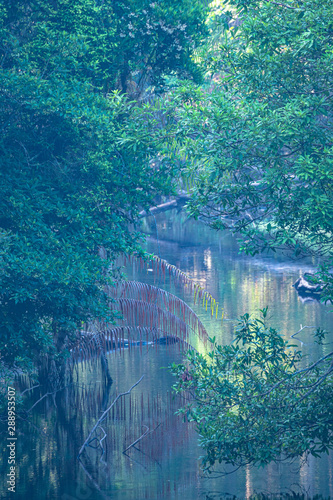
(45, 395)
(104, 415)
(139, 439)
(299, 331)
(147, 431)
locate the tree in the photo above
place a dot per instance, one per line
(157, 40)
(253, 402)
(260, 137)
(259, 142)
(75, 161)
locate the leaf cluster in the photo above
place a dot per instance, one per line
(259, 135)
(252, 401)
(75, 162)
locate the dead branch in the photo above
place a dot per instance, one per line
(41, 431)
(99, 440)
(141, 437)
(30, 389)
(104, 415)
(159, 208)
(47, 394)
(299, 331)
(91, 479)
(147, 431)
(177, 203)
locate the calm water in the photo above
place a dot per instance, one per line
(164, 464)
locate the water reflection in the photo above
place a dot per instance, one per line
(239, 283)
(164, 465)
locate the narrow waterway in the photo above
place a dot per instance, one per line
(164, 464)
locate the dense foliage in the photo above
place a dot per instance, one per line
(76, 155)
(252, 400)
(260, 137)
(80, 158)
(256, 146)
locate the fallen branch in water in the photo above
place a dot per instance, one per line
(147, 431)
(45, 395)
(302, 328)
(169, 205)
(29, 389)
(91, 479)
(88, 440)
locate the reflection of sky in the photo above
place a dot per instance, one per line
(242, 284)
(239, 283)
(164, 465)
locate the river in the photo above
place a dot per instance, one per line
(164, 464)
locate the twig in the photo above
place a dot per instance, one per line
(302, 328)
(320, 380)
(30, 389)
(136, 461)
(104, 415)
(35, 426)
(100, 441)
(139, 439)
(91, 479)
(145, 454)
(47, 394)
(97, 439)
(308, 369)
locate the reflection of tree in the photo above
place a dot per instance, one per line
(47, 461)
(91, 437)
(239, 282)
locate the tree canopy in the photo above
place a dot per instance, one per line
(255, 144)
(81, 156)
(76, 155)
(260, 137)
(254, 402)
